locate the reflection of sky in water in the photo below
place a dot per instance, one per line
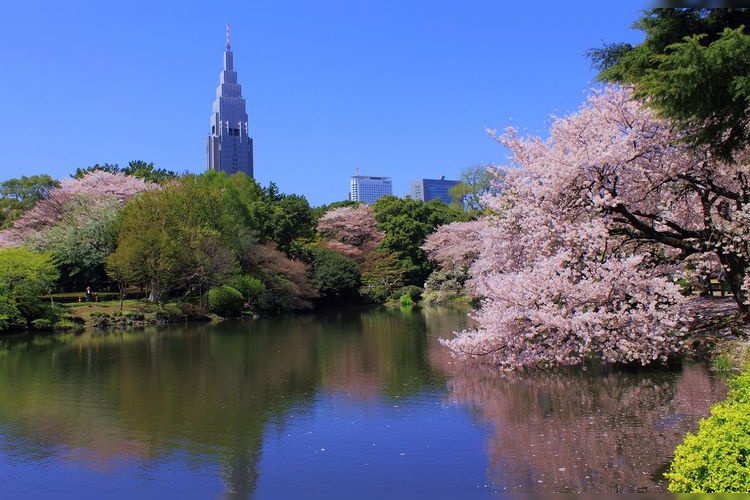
(348, 405)
(416, 447)
(337, 446)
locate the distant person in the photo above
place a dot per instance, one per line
(88, 293)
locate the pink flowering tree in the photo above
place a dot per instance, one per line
(98, 189)
(351, 231)
(592, 226)
(75, 224)
(453, 248)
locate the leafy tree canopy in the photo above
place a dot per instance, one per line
(19, 195)
(136, 168)
(475, 182)
(693, 68)
(406, 223)
(25, 275)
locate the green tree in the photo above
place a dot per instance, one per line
(177, 238)
(474, 183)
(136, 168)
(382, 274)
(19, 195)
(406, 223)
(25, 276)
(335, 276)
(80, 173)
(82, 239)
(693, 67)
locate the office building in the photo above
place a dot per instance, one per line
(429, 189)
(229, 147)
(367, 189)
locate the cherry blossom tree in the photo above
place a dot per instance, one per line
(96, 188)
(593, 224)
(456, 244)
(351, 231)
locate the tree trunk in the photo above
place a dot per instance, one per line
(736, 267)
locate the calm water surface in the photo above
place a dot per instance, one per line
(344, 404)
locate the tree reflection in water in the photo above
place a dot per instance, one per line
(600, 430)
(204, 397)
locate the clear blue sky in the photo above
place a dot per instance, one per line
(399, 88)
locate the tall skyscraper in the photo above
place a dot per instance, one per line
(229, 147)
(368, 189)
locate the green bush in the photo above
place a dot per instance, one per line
(9, 314)
(405, 300)
(413, 291)
(717, 458)
(171, 313)
(42, 324)
(251, 288)
(225, 301)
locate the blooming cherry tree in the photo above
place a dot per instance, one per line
(592, 224)
(350, 230)
(94, 189)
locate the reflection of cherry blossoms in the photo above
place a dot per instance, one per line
(592, 431)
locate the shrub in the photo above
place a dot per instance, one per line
(9, 313)
(405, 300)
(171, 313)
(251, 288)
(413, 291)
(42, 324)
(716, 458)
(225, 301)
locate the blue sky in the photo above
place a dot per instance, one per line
(399, 88)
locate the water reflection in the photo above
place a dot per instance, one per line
(575, 431)
(104, 398)
(206, 400)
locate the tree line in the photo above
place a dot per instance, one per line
(212, 242)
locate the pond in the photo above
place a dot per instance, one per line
(339, 404)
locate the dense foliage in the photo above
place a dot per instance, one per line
(137, 168)
(25, 276)
(692, 68)
(715, 459)
(406, 223)
(202, 231)
(336, 277)
(225, 301)
(19, 195)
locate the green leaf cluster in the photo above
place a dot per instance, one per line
(335, 276)
(209, 230)
(406, 223)
(25, 276)
(19, 195)
(717, 457)
(225, 301)
(693, 67)
(136, 168)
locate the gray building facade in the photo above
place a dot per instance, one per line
(229, 147)
(429, 189)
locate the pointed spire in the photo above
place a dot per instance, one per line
(229, 45)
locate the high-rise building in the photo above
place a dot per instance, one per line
(229, 147)
(429, 189)
(367, 189)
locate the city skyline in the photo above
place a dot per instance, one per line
(400, 90)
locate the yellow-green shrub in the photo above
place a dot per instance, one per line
(717, 458)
